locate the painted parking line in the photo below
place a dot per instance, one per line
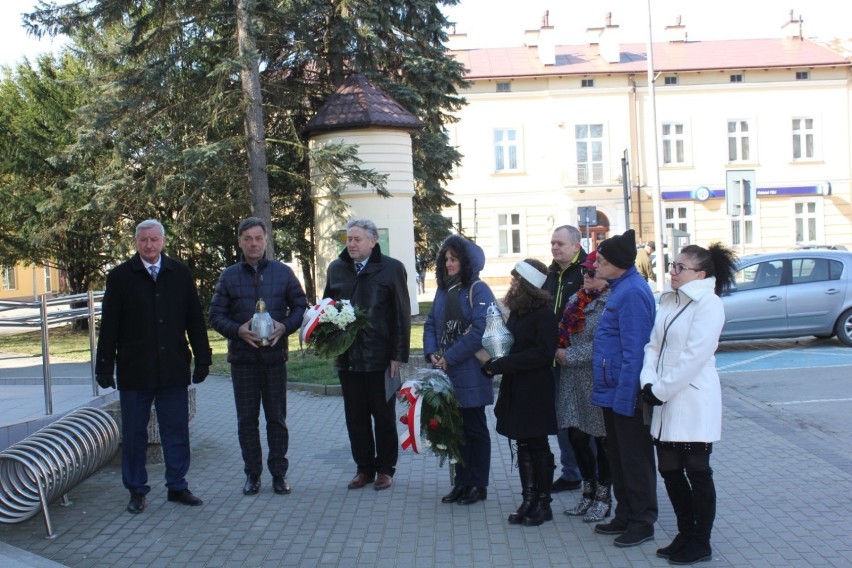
(818, 400)
(783, 355)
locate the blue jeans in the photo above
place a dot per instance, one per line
(570, 470)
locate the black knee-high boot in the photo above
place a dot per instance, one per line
(704, 512)
(543, 464)
(680, 494)
(526, 471)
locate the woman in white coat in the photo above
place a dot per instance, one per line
(680, 381)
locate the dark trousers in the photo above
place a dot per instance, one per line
(631, 460)
(172, 404)
(267, 385)
(591, 458)
(364, 403)
(476, 451)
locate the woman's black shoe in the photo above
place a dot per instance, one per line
(473, 495)
(457, 493)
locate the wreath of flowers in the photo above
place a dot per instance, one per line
(431, 408)
(330, 327)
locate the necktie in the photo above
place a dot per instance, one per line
(358, 267)
(154, 271)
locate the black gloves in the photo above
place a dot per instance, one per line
(105, 381)
(200, 373)
(648, 396)
(488, 369)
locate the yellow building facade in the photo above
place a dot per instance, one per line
(28, 282)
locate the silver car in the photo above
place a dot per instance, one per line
(791, 294)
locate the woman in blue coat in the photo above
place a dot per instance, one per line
(451, 337)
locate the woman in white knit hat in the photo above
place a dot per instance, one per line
(526, 408)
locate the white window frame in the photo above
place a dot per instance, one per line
(804, 219)
(505, 232)
(670, 142)
(10, 281)
(802, 133)
(738, 136)
(48, 280)
(682, 218)
(590, 171)
(504, 147)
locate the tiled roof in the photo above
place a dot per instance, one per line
(360, 104)
(506, 62)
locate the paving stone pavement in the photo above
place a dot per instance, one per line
(783, 500)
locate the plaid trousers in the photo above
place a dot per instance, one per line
(254, 385)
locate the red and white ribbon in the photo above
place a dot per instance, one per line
(310, 320)
(411, 437)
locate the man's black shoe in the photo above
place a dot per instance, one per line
(280, 485)
(473, 495)
(252, 485)
(185, 497)
(137, 503)
(563, 484)
(615, 526)
(635, 536)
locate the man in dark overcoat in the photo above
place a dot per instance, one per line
(149, 309)
(377, 284)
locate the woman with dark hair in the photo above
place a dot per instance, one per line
(451, 337)
(680, 381)
(574, 409)
(525, 408)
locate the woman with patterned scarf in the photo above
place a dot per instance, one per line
(574, 409)
(451, 337)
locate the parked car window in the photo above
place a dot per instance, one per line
(835, 269)
(761, 275)
(810, 270)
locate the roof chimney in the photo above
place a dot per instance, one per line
(457, 41)
(608, 45)
(676, 33)
(546, 41)
(793, 28)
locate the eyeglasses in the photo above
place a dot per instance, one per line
(678, 267)
(590, 272)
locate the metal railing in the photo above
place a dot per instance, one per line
(47, 312)
(47, 464)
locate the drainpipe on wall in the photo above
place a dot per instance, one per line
(634, 151)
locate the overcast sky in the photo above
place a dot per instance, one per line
(502, 22)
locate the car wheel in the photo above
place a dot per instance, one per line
(843, 328)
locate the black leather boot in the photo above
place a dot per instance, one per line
(697, 549)
(680, 494)
(541, 511)
(525, 470)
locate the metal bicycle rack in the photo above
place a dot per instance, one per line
(47, 464)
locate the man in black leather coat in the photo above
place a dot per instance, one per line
(377, 284)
